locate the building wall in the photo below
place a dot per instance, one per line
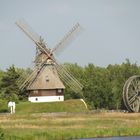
(46, 92)
(46, 95)
(46, 98)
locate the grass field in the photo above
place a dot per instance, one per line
(66, 125)
(66, 106)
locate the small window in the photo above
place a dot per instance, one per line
(35, 91)
(59, 90)
(47, 78)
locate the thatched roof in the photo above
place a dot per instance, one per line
(47, 78)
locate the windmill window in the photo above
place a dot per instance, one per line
(47, 78)
(59, 90)
(35, 91)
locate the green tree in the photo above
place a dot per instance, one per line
(1, 74)
(118, 74)
(97, 88)
(8, 87)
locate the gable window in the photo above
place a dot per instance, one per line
(47, 78)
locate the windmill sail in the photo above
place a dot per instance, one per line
(23, 25)
(69, 79)
(32, 35)
(24, 82)
(67, 39)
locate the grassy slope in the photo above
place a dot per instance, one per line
(66, 106)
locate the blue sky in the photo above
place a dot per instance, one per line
(111, 30)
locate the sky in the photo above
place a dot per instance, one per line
(111, 30)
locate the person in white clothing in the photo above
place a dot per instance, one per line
(12, 106)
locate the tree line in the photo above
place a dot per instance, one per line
(102, 85)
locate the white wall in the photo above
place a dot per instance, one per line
(46, 98)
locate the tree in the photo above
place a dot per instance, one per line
(118, 74)
(1, 74)
(8, 87)
(97, 88)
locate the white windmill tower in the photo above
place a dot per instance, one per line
(45, 83)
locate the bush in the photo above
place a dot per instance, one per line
(3, 106)
(1, 134)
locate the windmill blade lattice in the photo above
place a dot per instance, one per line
(24, 74)
(22, 78)
(33, 35)
(27, 78)
(69, 79)
(25, 81)
(23, 25)
(67, 39)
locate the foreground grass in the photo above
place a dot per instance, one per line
(63, 126)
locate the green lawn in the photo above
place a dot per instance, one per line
(66, 106)
(71, 120)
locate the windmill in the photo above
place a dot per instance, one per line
(45, 83)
